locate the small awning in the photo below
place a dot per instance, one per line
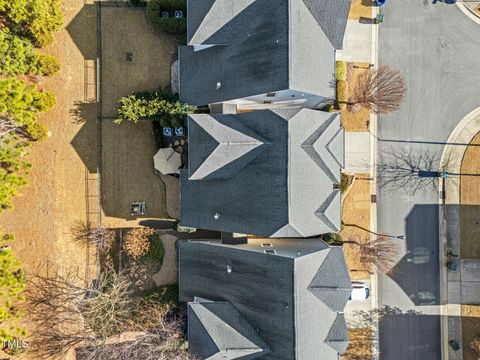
(167, 161)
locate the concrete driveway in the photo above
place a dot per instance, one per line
(438, 49)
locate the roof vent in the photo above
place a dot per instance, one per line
(216, 216)
(219, 85)
(229, 269)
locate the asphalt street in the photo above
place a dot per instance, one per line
(437, 48)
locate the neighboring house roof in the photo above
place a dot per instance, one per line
(262, 305)
(266, 173)
(252, 47)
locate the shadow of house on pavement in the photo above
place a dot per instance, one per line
(409, 336)
(83, 31)
(420, 279)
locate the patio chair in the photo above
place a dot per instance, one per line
(137, 208)
(180, 131)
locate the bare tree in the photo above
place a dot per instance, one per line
(99, 236)
(67, 315)
(378, 253)
(381, 90)
(410, 170)
(8, 127)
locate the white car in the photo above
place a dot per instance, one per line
(360, 291)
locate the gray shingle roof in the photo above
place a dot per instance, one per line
(255, 171)
(337, 337)
(260, 46)
(218, 331)
(330, 287)
(274, 308)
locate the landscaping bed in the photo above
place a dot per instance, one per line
(470, 201)
(355, 216)
(355, 119)
(360, 9)
(470, 330)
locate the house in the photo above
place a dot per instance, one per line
(272, 299)
(256, 54)
(270, 173)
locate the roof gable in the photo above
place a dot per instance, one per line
(214, 28)
(236, 146)
(331, 283)
(337, 337)
(224, 327)
(331, 16)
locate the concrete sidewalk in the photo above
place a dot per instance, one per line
(462, 285)
(361, 45)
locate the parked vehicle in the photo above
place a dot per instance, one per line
(360, 291)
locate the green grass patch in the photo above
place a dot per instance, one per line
(342, 94)
(156, 251)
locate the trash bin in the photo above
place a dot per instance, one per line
(454, 345)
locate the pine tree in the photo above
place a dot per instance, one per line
(39, 19)
(156, 105)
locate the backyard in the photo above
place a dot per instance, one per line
(127, 149)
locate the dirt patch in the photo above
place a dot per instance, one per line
(56, 196)
(128, 174)
(360, 9)
(125, 30)
(470, 200)
(470, 329)
(356, 218)
(359, 121)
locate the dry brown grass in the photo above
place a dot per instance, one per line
(470, 200)
(55, 198)
(360, 9)
(470, 329)
(359, 121)
(356, 215)
(361, 344)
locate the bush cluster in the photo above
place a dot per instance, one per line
(342, 94)
(333, 239)
(37, 19)
(341, 70)
(170, 25)
(158, 105)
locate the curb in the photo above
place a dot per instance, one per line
(373, 190)
(463, 8)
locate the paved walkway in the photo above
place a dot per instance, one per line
(357, 152)
(168, 274)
